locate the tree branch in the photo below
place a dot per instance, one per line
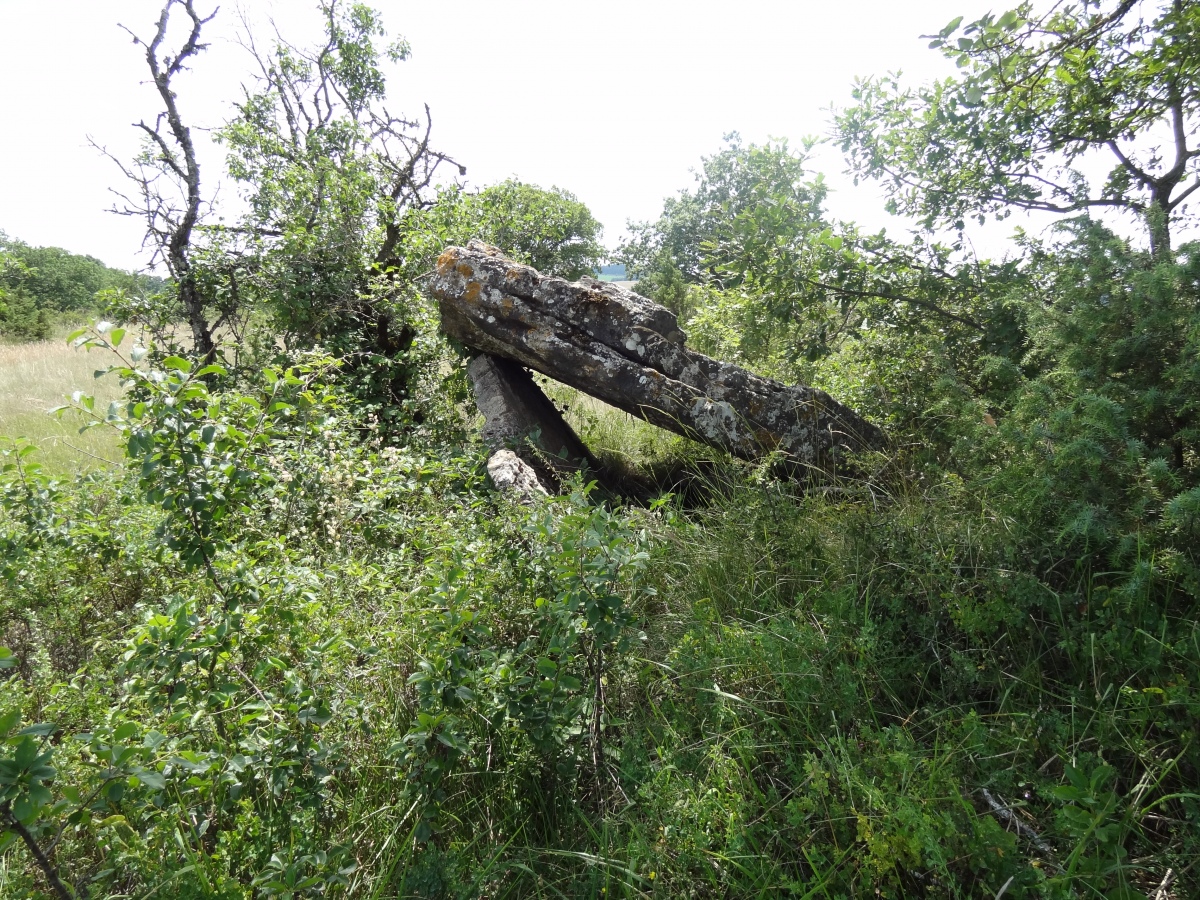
(1140, 174)
(49, 870)
(1191, 190)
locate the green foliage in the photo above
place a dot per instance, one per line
(672, 252)
(30, 498)
(41, 287)
(550, 230)
(25, 773)
(1037, 96)
(759, 274)
(385, 679)
(328, 175)
(550, 689)
(299, 647)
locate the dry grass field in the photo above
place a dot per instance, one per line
(35, 378)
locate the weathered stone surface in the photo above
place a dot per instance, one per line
(630, 352)
(519, 416)
(511, 474)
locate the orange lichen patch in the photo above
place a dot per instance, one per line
(464, 269)
(472, 291)
(445, 262)
(766, 439)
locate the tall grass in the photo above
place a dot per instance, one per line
(37, 377)
(845, 693)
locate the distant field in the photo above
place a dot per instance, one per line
(37, 377)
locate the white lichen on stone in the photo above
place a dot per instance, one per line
(628, 351)
(511, 474)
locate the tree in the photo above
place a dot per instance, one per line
(167, 174)
(1040, 96)
(329, 173)
(673, 251)
(20, 316)
(550, 230)
(760, 271)
(1111, 325)
(39, 285)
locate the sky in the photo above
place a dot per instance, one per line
(615, 101)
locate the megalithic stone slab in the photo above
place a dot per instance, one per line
(519, 416)
(629, 352)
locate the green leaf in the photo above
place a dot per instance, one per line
(41, 729)
(547, 667)
(177, 363)
(23, 809)
(1065, 75)
(26, 752)
(7, 660)
(118, 335)
(153, 780)
(1010, 20)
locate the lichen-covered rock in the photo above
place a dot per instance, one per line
(519, 417)
(512, 475)
(629, 352)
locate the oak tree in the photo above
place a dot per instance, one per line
(1041, 98)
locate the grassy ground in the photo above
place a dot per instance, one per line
(861, 693)
(35, 378)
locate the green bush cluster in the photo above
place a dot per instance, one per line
(43, 288)
(290, 652)
(298, 646)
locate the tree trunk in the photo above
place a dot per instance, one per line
(203, 343)
(1158, 221)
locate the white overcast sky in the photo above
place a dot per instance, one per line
(612, 100)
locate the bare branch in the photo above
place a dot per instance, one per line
(1191, 190)
(1136, 171)
(171, 227)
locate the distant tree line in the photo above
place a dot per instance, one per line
(43, 287)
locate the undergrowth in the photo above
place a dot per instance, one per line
(283, 654)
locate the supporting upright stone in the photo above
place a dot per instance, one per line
(512, 475)
(520, 417)
(630, 352)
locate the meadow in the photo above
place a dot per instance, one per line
(37, 377)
